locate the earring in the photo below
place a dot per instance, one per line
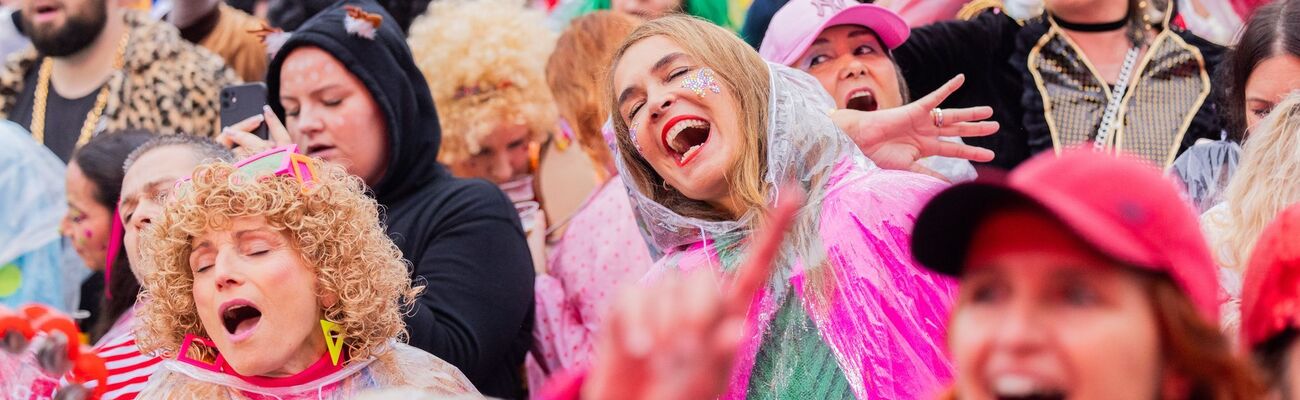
(333, 339)
(664, 184)
(702, 81)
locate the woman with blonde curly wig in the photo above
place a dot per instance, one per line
(485, 63)
(277, 285)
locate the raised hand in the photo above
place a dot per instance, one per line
(897, 138)
(678, 338)
(249, 144)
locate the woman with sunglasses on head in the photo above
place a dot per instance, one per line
(1077, 288)
(708, 135)
(273, 278)
(350, 93)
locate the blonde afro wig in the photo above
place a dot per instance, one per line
(333, 225)
(485, 62)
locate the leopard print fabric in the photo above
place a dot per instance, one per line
(167, 85)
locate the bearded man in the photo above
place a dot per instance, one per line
(94, 66)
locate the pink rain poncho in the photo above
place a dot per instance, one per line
(397, 366)
(846, 314)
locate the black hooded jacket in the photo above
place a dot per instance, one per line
(462, 237)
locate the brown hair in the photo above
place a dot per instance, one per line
(743, 73)
(583, 52)
(1273, 30)
(1271, 357)
(334, 226)
(1195, 349)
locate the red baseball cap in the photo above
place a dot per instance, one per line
(1270, 298)
(1122, 207)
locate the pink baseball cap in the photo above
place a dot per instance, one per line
(797, 24)
(1122, 207)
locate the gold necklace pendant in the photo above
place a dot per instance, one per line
(42, 96)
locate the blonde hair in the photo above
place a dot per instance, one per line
(334, 225)
(584, 51)
(484, 62)
(1265, 182)
(743, 73)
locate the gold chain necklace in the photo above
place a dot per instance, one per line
(43, 95)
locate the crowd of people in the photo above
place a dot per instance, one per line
(650, 199)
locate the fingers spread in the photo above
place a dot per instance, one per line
(936, 97)
(955, 115)
(970, 129)
(960, 150)
(921, 169)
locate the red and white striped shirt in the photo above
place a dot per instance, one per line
(128, 370)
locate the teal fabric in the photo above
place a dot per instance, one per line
(715, 11)
(794, 362)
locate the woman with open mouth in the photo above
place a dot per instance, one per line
(849, 51)
(708, 134)
(274, 278)
(1078, 288)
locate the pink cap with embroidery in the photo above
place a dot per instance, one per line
(796, 25)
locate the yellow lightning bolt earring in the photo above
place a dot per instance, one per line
(333, 339)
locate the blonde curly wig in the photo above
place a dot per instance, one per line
(333, 224)
(485, 63)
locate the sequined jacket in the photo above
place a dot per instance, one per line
(167, 85)
(1059, 102)
(1164, 111)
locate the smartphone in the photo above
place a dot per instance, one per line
(239, 102)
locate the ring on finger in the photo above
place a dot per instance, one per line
(937, 114)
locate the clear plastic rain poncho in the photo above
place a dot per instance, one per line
(36, 265)
(846, 314)
(1205, 169)
(398, 366)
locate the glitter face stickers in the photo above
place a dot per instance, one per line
(703, 82)
(631, 131)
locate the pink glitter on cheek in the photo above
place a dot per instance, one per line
(632, 133)
(702, 82)
(89, 234)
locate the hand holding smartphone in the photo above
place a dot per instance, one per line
(239, 102)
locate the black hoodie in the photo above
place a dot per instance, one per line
(463, 237)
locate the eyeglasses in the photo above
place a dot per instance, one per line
(279, 161)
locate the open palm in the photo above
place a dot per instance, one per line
(897, 138)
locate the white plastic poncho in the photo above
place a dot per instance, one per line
(36, 264)
(397, 366)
